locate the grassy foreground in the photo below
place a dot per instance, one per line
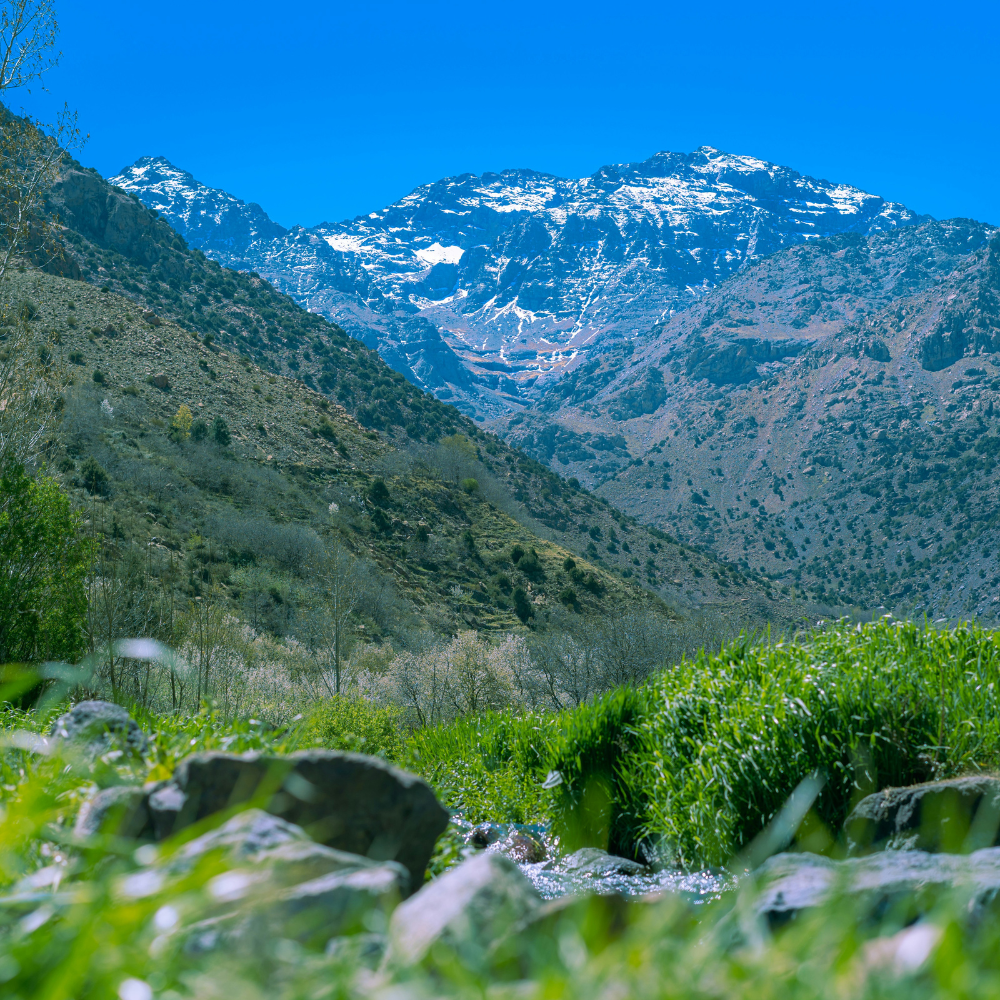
(692, 765)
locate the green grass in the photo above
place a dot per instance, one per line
(692, 766)
(341, 723)
(694, 763)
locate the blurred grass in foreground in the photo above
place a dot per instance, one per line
(694, 763)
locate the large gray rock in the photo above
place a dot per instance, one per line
(794, 882)
(121, 810)
(268, 880)
(960, 814)
(468, 909)
(95, 727)
(347, 801)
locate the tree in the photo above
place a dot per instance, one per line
(220, 433)
(30, 156)
(457, 455)
(180, 426)
(43, 567)
(341, 578)
(199, 430)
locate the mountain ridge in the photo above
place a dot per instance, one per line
(486, 289)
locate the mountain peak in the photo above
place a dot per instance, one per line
(210, 219)
(485, 289)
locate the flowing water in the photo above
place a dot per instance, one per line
(555, 873)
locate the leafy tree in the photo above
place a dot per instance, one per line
(220, 433)
(199, 430)
(180, 426)
(43, 565)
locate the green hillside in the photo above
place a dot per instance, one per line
(319, 417)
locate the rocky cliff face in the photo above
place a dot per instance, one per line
(488, 289)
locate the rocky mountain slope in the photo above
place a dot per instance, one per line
(827, 416)
(129, 313)
(486, 290)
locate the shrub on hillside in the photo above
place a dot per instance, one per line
(94, 477)
(180, 426)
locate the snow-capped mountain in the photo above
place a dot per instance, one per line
(486, 289)
(209, 219)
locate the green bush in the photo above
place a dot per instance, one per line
(220, 433)
(378, 493)
(94, 477)
(522, 605)
(531, 566)
(43, 565)
(717, 744)
(342, 723)
(470, 485)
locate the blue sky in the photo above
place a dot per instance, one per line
(322, 111)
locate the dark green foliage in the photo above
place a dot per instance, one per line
(99, 376)
(199, 430)
(94, 477)
(522, 606)
(568, 597)
(530, 565)
(325, 430)
(43, 563)
(380, 522)
(378, 493)
(220, 432)
(422, 535)
(470, 485)
(516, 553)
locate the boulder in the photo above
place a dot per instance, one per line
(271, 882)
(347, 801)
(793, 882)
(591, 862)
(484, 834)
(121, 811)
(955, 815)
(466, 911)
(95, 727)
(338, 903)
(524, 847)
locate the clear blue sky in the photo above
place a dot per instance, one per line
(324, 110)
